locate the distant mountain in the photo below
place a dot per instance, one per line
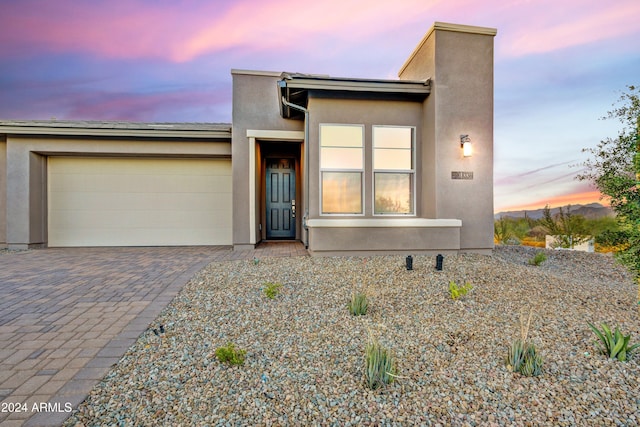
(590, 211)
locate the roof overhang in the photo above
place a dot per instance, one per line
(295, 88)
(213, 131)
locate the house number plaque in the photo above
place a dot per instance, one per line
(461, 175)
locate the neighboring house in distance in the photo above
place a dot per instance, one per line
(344, 165)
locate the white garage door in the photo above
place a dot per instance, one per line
(139, 202)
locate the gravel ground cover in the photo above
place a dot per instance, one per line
(305, 353)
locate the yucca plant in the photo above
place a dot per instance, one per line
(380, 365)
(359, 304)
(522, 355)
(458, 291)
(524, 358)
(614, 345)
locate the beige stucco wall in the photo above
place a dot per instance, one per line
(384, 240)
(3, 192)
(26, 167)
(255, 107)
(459, 62)
(358, 112)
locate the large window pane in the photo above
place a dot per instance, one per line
(391, 159)
(341, 158)
(392, 137)
(392, 148)
(341, 164)
(341, 135)
(393, 193)
(341, 192)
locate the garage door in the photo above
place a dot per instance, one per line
(139, 202)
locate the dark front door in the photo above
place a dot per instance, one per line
(281, 193)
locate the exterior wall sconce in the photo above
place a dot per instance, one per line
(465, 144)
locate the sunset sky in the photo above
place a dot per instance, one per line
(559, 66)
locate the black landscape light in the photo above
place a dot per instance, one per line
(409, 262)
(439, 260)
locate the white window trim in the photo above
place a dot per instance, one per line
(384, 222)
(361, 171)
(253, 135)
(411, 172)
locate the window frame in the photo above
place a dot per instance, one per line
(410, 172)
(360, 171)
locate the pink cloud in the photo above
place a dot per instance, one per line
(555, 26)
(182, 31)
(578, 198)
(135, 29)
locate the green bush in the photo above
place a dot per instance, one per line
(271, 290)
(524, 358)
(614, 345)
(380, 365)
(229, 354)
(359, 304)
(538, 259)
(458, 291)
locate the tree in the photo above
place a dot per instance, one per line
(615, 170)
(569, 230)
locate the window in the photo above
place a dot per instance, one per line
(341, 168)
(393, 170)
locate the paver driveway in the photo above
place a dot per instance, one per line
(67, 315)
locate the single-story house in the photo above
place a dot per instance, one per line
(345, 165)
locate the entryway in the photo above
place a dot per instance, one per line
(280, 198)
(280, 203)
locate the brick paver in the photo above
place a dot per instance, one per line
(67, 315)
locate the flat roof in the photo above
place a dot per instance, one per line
(116, 128)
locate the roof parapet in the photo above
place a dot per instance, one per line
(445, 26)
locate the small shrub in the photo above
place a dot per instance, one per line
(229, 354)
(359, 304)
(458, 291)
(524, 358)
(522, 355)
(614, 345)
(380, 365)
(271, 290)
(538, 259)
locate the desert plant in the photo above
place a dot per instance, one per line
(538, 259)
(614, 345)
(229, 354)
(359, 304)
(458, 291)
(380, 365)
(524, 358)
(271, 290)
(568, 229)
(501, 231)
(522, 355)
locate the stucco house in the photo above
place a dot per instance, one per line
(345, 165)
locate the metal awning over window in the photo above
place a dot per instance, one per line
(295, 88)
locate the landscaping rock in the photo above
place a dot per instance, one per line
(305, 353)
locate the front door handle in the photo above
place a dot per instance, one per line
(293, 208)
